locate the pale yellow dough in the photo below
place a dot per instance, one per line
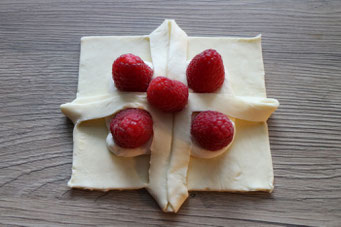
(169, 172)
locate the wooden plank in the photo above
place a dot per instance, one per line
(39, 53)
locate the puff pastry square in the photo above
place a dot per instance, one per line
(170, 171)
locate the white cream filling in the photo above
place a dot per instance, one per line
(127, 152)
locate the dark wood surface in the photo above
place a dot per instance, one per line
(39, 54)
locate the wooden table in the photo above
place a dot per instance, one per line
(39, 54)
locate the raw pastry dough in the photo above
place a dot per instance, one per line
(169, 172)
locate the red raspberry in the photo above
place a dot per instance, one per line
(130, 73)
(212, 130)
(167, 95)
(205, 73)
(131, 128)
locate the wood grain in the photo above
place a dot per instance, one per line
(39, 51)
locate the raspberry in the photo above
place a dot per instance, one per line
(131, 128)
(212, 130)
(205, 72)
(130, 73)
(167, 95)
